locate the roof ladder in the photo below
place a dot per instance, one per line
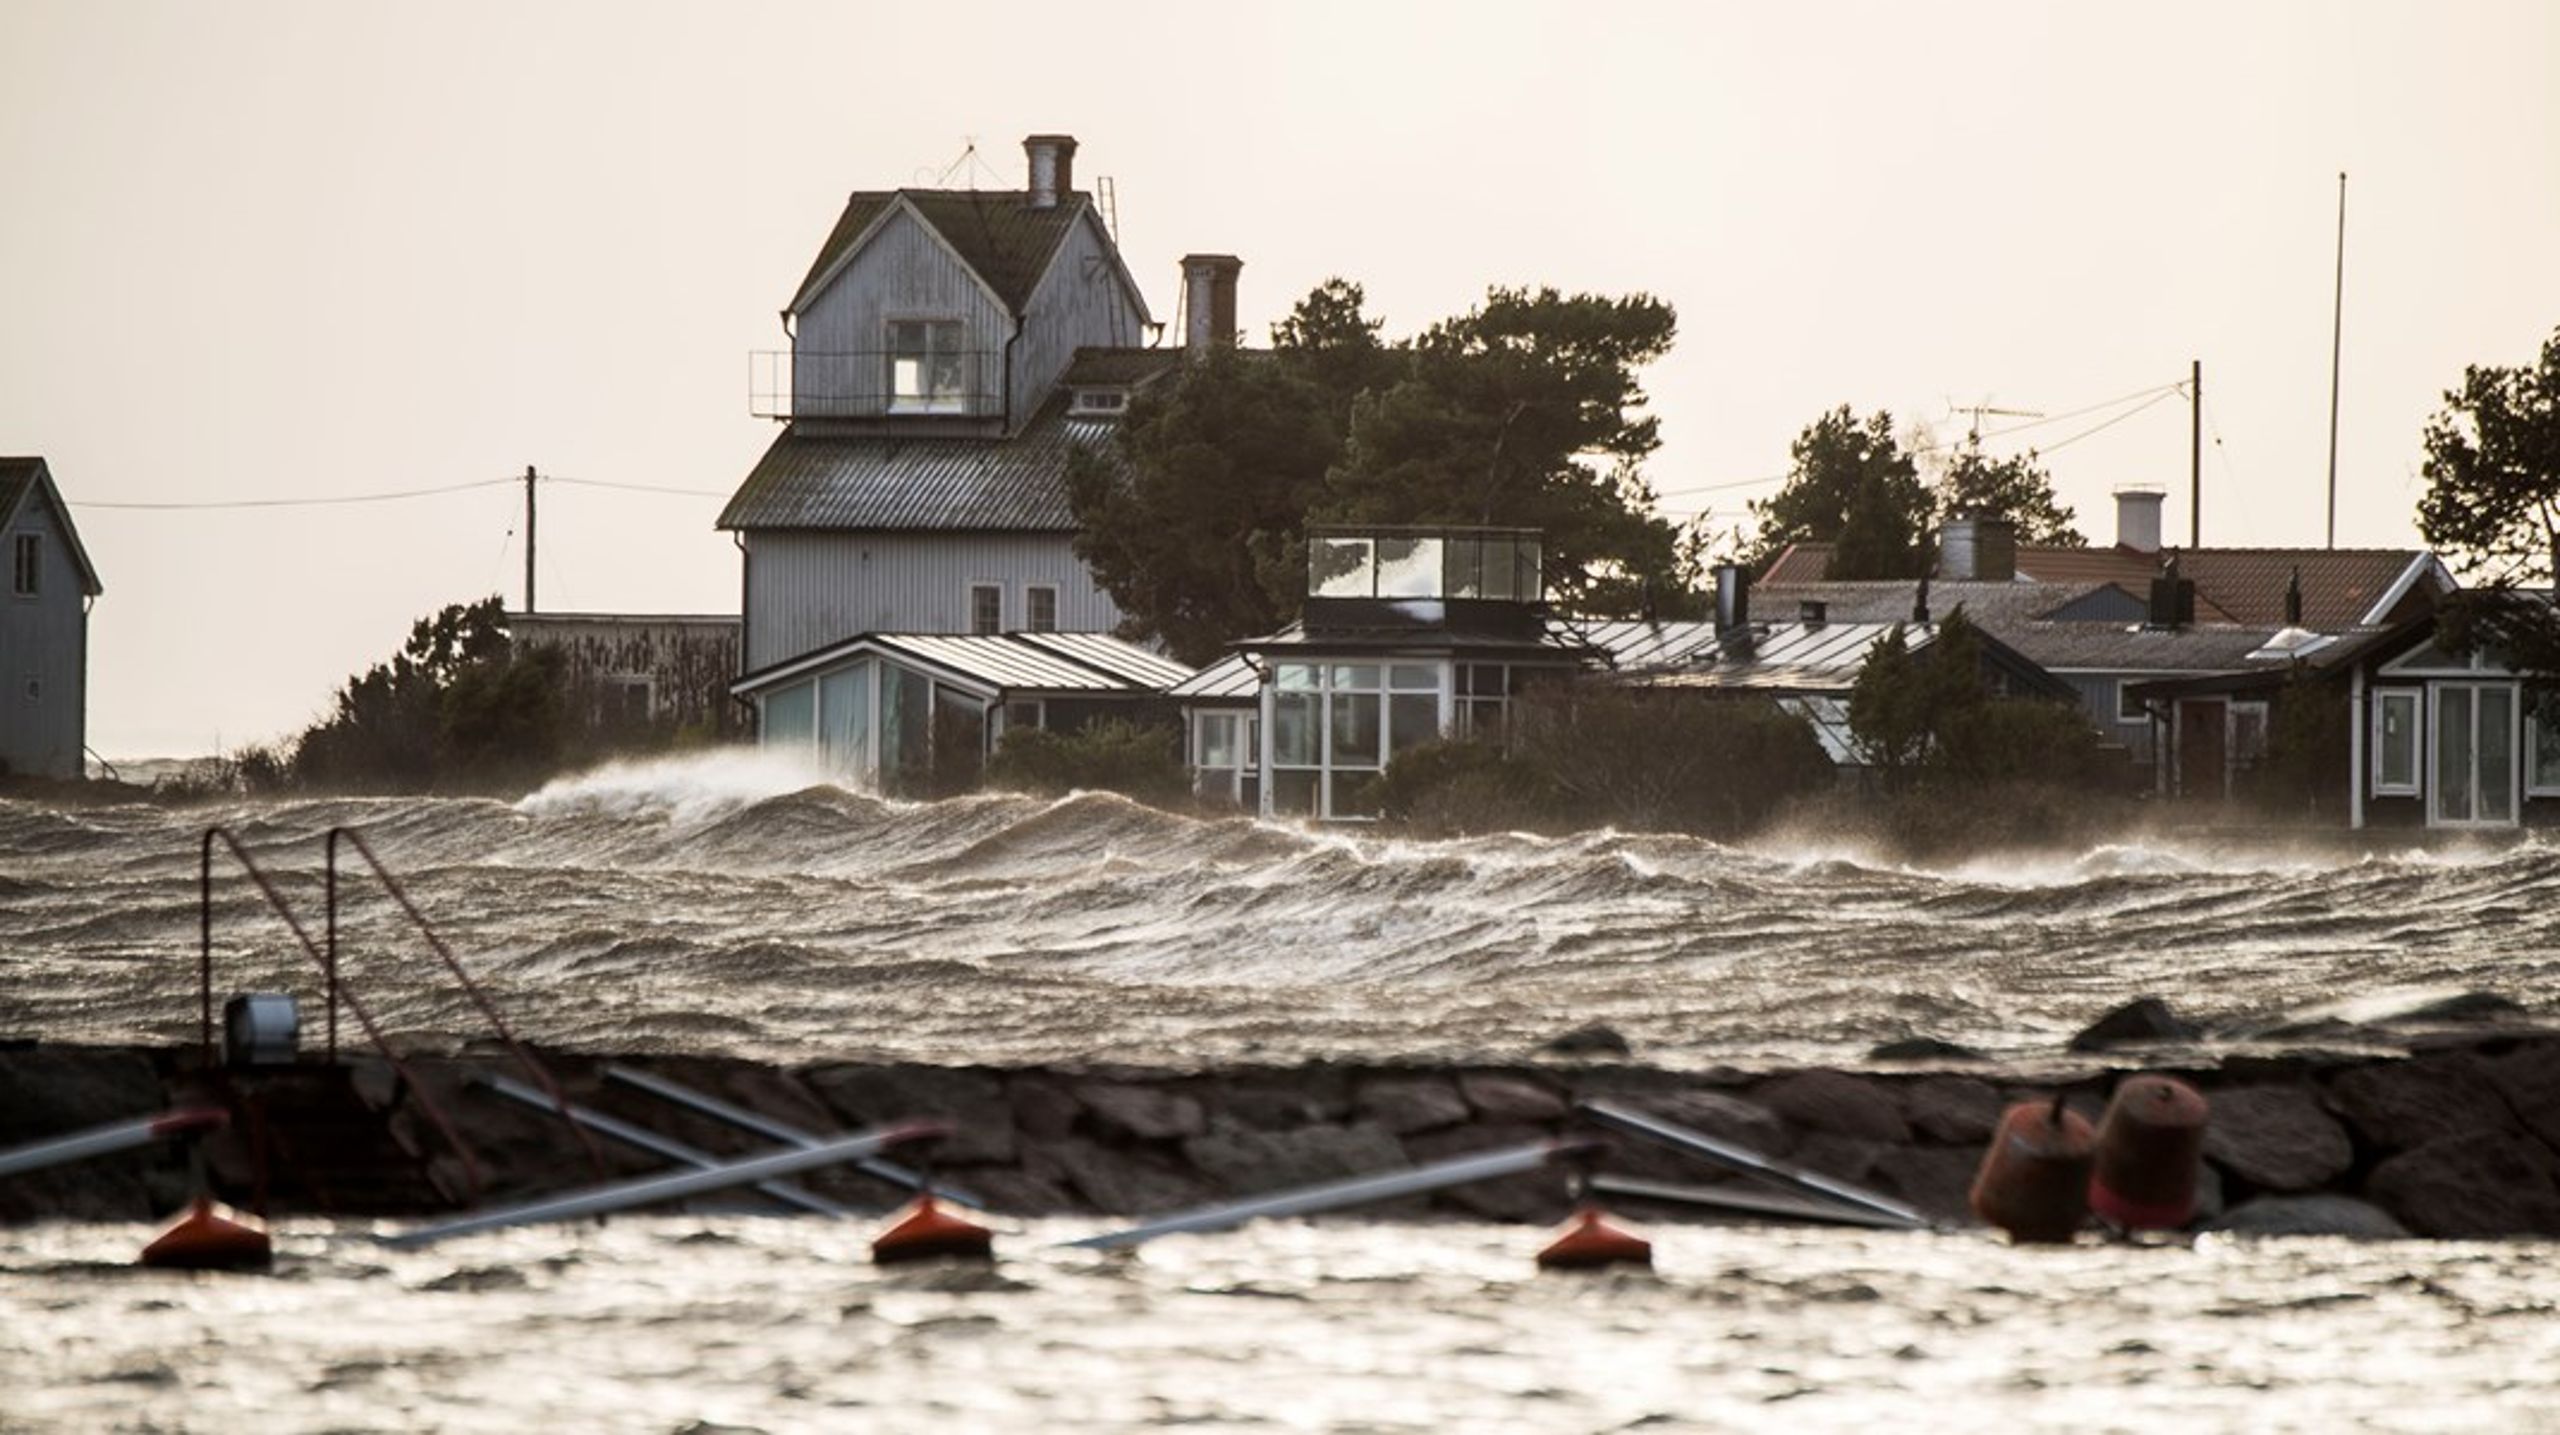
(1106, 197)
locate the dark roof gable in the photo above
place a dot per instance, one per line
(996, 232)
(23, 479)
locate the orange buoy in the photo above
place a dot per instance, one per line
(211, 1237)
(1589, 1242)
(2034, 1179)
(924, 1231)
(2150, 1152)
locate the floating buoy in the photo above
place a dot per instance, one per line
(2150, 1151)
(2034, 1179)
(924, 1232)
(211, 1237)
(1589, 1242)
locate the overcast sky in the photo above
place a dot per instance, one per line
(256, 251)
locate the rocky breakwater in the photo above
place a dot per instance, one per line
(2458, 1138)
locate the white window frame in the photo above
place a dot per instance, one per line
(2416, 700)
(928, 399)
(1101, 403)
(2532, 744)
(976, 587)
(2140, 711)
(1031, 595)
(2435, 730)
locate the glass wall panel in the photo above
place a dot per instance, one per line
(1293, 794)
(1412, 719)
(1293, 730)
(2544, 775)
(1415, 677)
(1409, 567)
(1355, 730)
(2453, 754)
(844, 718)
(1362, 677)
(906, 725)
(2497, 753)
(1341, 568)
(791, 716)
(1353, 794)
(1297, 677)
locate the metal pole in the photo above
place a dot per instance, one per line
(653, 1143)
(1740, 1158)
(204, 945)
(1756, 1203)
(2195, 453)
(110, 1138)
(2337, 335)
(782, 1131)
(648, 1190)
(1331, 1195)
(329, 879)
(528, 538)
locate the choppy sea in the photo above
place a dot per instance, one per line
(730, 905)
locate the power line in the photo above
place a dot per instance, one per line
(299, 502)
(2157, 399)
(635, 487)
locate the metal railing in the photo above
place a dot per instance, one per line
(327, 963)
(874, 383)
(525, 1060)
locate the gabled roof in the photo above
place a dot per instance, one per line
(1826, 657)
(962, 485)
(27, 480)
(996, 232)
(1013, 664)
(2341, 587)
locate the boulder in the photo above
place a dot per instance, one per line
(1017, 1192)
(2476, 1183)
(2529, 1078)
(1121, 1181)
(1282, 1100)
(1936, 1179)
(1499, 1096)
(2277, 1138)
(1043, 1108)
(2320, 1214)
(1405, 1105)
(1141, 1113)
(1835, 1102)
(55, 1091)
(1595, 1039)
(973, 1101)
(1952, 1110)
(1922, 1048)
(2141, 1019)
(2402, 1105)
(1244, 1161)
(2464, 1007)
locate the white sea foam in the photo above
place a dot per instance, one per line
(684, 789)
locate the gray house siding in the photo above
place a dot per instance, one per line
(806, 589)
(1083, 300)
(840, 363)
(44, 650)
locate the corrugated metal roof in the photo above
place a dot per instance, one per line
(1007, 485)
(1119, 368)
(1797, 657)
(1011, 663)
(1632, 643)
(995, 232)
(1142, 666)
(2237, 585)
(1229, 679)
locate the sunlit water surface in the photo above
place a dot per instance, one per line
(678, 1323)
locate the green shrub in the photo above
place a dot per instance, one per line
(1467, 786)
(1142, 761)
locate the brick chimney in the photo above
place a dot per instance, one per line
(2138, 519)
(1978, 548)
(1053, 168)
(1209, 301)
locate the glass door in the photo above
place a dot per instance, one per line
(2474, 747)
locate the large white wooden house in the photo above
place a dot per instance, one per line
(44, 626)
(949, 348)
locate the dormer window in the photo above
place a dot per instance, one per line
(926, 372)
(1100, 403)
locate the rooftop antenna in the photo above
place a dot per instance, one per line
(1973, 431)
(2337, 332)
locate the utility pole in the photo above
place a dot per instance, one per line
(2337, 332)
(2195, 453)
(528, 538)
